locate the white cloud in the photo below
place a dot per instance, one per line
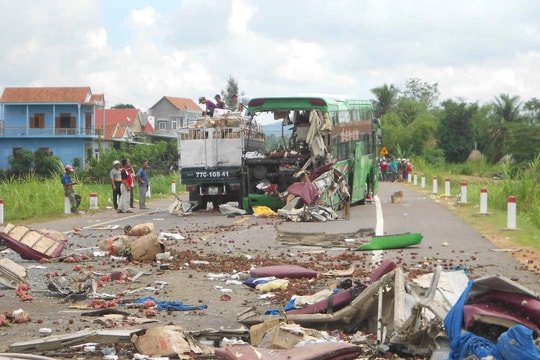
(97, 39)
(241, 14)
(137, 51)
(145, 18)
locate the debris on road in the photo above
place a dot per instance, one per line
(11, 273)
(170, 341)
(303, 305)
(139, 242)
(393, 241)
(33, 244)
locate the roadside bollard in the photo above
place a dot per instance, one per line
(423, 181)
(415, 179)
(511, 213)
(463, 192)
(93, 201)
(447, 187)
(483, 201)
(435, 185)
(67, 205)
(173, 187)
(1, 211)
(409, 177)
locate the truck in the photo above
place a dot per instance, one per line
(210, 158)
(224, 158)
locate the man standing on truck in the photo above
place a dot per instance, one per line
(210, 106)
(241, 102)
(220, 103)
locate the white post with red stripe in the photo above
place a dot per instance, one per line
(447, 187)
(483, 201)
(173, 187)
(423, 181)
(463, 192)
(415, 179)
(1, 211)
(67, 205)
(435, 185)
(511, 213)
(93, 201)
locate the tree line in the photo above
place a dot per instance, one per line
(416, 123)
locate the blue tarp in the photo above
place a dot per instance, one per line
(518, 343)
(171, 305)
(515, 344)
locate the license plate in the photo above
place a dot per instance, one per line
(213, 190)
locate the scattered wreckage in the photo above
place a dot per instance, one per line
(318, 198)
(438, 315)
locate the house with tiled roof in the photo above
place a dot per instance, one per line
(60, 120)
(171, 113)
(121, 125)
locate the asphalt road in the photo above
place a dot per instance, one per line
(448, 240)
(247, 241)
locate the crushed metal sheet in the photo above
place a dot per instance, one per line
(80, 337)
(321, 239)
(11, 273)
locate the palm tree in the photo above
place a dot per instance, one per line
(386, 99)
(506, 110)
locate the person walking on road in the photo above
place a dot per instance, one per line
(142, 181)
(116, 181)
(125, 187)
(67, 181)
(393, 170)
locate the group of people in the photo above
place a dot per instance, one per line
(122, 180)
(210, 106)
(394, 170)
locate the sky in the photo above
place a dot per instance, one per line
(137, 51)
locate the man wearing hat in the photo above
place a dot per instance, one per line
(210, 106)
(116, 181)
(220, 104)
(241, 102)
(67, 181)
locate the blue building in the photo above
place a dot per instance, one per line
(57, 119)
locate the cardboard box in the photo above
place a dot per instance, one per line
(397, 197)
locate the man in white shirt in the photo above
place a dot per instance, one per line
(241, 102)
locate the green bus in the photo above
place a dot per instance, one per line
(317, 133)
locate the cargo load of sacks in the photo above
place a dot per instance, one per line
(140, 242)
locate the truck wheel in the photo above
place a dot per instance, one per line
(196, 197)
(216, 200)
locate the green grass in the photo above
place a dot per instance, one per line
(32, 199)
(522, 182)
